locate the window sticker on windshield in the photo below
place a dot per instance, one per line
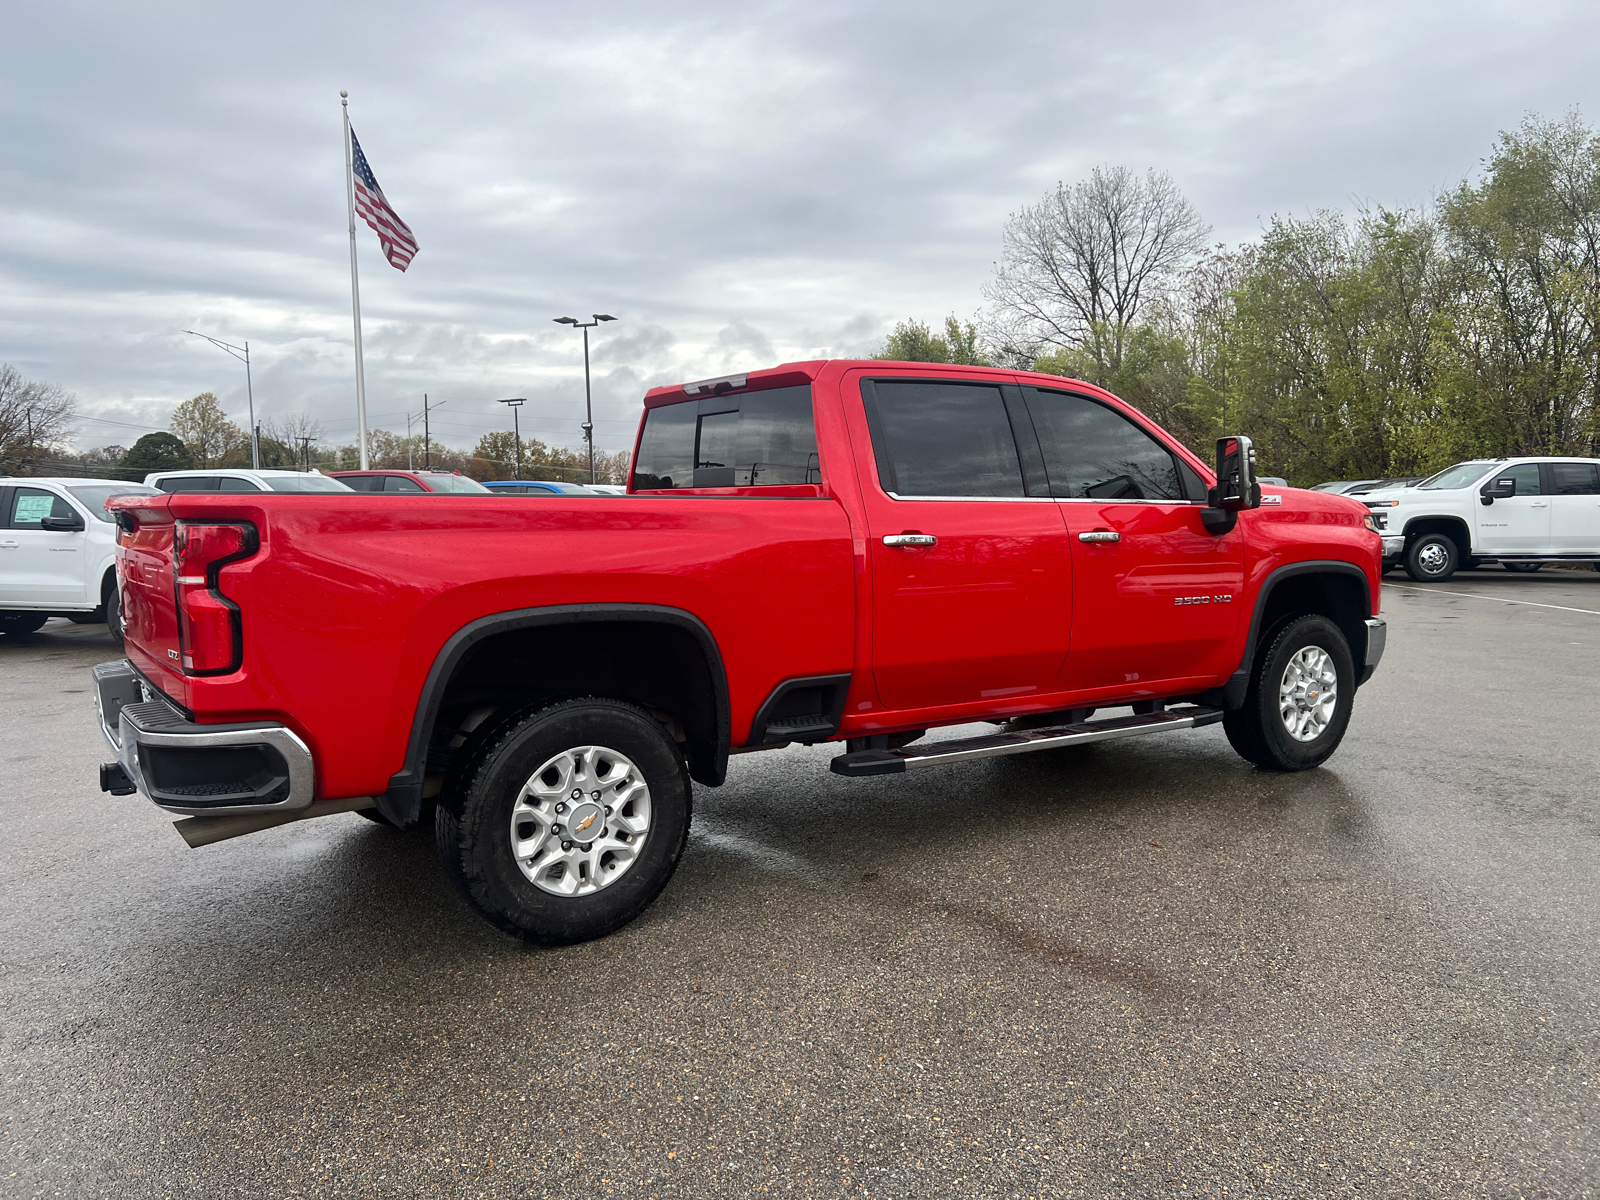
(33, 509)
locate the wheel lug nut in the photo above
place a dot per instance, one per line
(594, 795)
(561, 808)
(608, 810)
(566, 845)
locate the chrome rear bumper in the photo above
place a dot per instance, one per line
(190, 769)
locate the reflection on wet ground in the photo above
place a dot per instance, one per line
(1130, 969)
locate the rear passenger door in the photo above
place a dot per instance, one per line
(1574, 508)
(971, 575)
(1156, 596)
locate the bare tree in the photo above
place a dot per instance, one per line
(35, 421)
(1077, 268)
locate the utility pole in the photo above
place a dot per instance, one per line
(305, 451)
(588, 403)
(425, 454)
(516, 431)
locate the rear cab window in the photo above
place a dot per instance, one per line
(936, 439)
(764, 438)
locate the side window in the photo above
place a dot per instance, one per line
(233, 486)
(1574, 479)
(361, 483)
(1093, 452)
(1525, 476)
(399, 483)
(189, 483)
(30, 506)
(942, 439)
(752, 439)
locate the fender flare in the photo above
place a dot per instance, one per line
(402, 803)
(1233, 692)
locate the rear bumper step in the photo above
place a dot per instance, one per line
(938, 754)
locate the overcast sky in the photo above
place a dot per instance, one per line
(741, 184)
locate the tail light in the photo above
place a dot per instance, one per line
(209, 632)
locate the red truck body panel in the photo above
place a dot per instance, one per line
(350, 598)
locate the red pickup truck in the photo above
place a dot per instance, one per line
(845, 552)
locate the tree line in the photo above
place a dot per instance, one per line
(1389, 342)
(36, 425)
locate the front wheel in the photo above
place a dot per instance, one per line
(1432, 558)
(567, 823)
(21, 623)
(1522, 568)
(1301, 692)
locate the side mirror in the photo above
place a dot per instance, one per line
(1497, 489)
(72, 524)
(1236, 476)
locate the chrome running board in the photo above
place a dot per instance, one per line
(1023, 741)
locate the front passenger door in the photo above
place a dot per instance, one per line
(40, 566)
(1155, 596)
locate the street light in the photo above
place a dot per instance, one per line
(516, 432)
(588, 403)
(242, 353)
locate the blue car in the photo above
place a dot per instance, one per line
(538, 487)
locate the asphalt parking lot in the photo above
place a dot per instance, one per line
(1139, 969)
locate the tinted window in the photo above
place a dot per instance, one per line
(942, 439)
(1525, 476)
(442, 482)
(1575, 479)
(236, 486)
(399, 483)
(30, 506)
(1093, 452)
(363, 483)
(189, 483)
(94, 497)
(752, 440)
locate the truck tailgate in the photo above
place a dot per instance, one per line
(149, 603)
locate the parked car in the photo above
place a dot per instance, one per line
(1380, 485)
(843, 552)
(58, 552)
(1272, 480)
(1343, 487)
(540, 487)
(239, 481)
(608, 489)
(445, 483)
(1519, 512)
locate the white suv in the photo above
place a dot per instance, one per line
(239, 480)
(1519, 512)
(58, 552)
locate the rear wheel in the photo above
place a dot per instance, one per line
(1301, 691)
(113, 609)
(567, 822)
(17, 624)
(1432, 558)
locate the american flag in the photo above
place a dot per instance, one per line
(399, 243)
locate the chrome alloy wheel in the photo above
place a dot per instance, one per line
(1432, 559)
(1308, 693)
(580, 821)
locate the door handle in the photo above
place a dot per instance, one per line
(1100, 535)
(1539, 504)
(910, 539)
(9, 545)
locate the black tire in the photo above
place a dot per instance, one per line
(474, 823)
(113, 611)
(1522, 568)
(1258, 730)
(22, 623)
(93, 618)
(1432, 558)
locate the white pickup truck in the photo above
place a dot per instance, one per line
(1519, 512)
(58, 552)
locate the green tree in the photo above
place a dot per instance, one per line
(158, 452)
(913, 341)
(206, 430)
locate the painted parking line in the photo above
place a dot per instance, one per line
(1406, 587)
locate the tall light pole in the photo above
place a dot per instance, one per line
(516, 432)
(588, 403)
(242, 353)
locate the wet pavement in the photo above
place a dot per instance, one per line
(1137, 969)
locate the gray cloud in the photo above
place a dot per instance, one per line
(740, 184)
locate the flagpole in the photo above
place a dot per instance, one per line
(355, 282)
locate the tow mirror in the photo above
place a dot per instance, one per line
(1497, 489)
(1236, 476)
(72, 524)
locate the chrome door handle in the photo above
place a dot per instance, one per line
(8, 545)
(1100, 535)
(910, 539)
